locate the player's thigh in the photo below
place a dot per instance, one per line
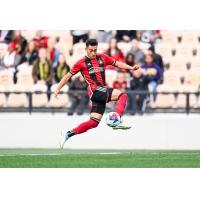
(115, 95)
(97, 110)
(96, 116)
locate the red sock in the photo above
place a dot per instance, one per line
(85, 126)
(121, 104)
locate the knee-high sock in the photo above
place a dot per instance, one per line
(85, 126)
(121, 104)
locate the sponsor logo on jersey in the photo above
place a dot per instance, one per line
(93, 70)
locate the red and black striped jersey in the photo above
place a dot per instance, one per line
(93, 70)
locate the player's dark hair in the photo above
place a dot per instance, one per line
(91, 42)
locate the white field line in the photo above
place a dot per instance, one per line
(58, 154)
(96, 153)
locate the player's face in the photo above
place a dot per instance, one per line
(91, 51)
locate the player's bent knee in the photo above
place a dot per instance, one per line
(94, 122)
(123, 95)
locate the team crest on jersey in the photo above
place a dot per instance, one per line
(93, 70)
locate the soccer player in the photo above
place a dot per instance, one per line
(92, 68)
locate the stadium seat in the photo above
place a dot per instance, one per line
(195, 63)
(2, 100)
(197, 52)
(3, 49)
(25, 78)
(188, 88)
(165, 50)
(172, 78)
(15, 99)
(190, 37)
(39, 99)
(198, 102)
(170, 37)
(6, 77)
(192, 77)
(164, 101)
(2, 96)
(178, 64)
(63, 99)
(25, 67)
(181, 100)
(184, 51)
(167, 88)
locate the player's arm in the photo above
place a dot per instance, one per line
(122, 65)
(75, 69)
(62, 82)
(111, 61)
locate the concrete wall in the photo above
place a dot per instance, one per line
(157, 131)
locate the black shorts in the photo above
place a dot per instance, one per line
(100, 97)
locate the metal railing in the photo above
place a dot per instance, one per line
(30, 108)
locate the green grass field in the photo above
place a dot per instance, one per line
(48, 158)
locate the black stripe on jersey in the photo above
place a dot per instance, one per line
(92, 75)
(101, 64)
(114, 64)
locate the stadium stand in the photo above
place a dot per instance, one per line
(180, 51)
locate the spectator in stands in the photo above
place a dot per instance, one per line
(53, 52)
(137, 52)
(104, 36)
(79, 100)
(31, 53)
(137, 101)
(11, 59)
(40, 40)
(157, 58)
(19, 41)
(114, 52)
(130, 59)
(154, 73)
(61, 69)
(150, 36)
(126, 35)
(42, 70)
(121, 81)
(5, 36)
(80, 35)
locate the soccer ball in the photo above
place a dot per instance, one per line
(113, 119)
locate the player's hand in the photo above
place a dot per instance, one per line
(56, 94)
(136, 67)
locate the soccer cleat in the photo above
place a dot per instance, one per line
(63, 138)
(121, 126)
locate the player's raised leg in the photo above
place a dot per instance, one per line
(121, 99)
(93, 122)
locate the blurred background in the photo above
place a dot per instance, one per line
(33, 62)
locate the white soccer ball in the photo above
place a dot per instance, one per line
(113, 119)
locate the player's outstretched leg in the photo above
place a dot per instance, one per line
(121, 99)
(83, 127)
(121, 104)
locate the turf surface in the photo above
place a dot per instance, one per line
(48, 158)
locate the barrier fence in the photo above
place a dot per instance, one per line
(171, 109)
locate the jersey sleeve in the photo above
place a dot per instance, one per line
(108, 60)
(75, 69)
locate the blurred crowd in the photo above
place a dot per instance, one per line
(49, 61)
